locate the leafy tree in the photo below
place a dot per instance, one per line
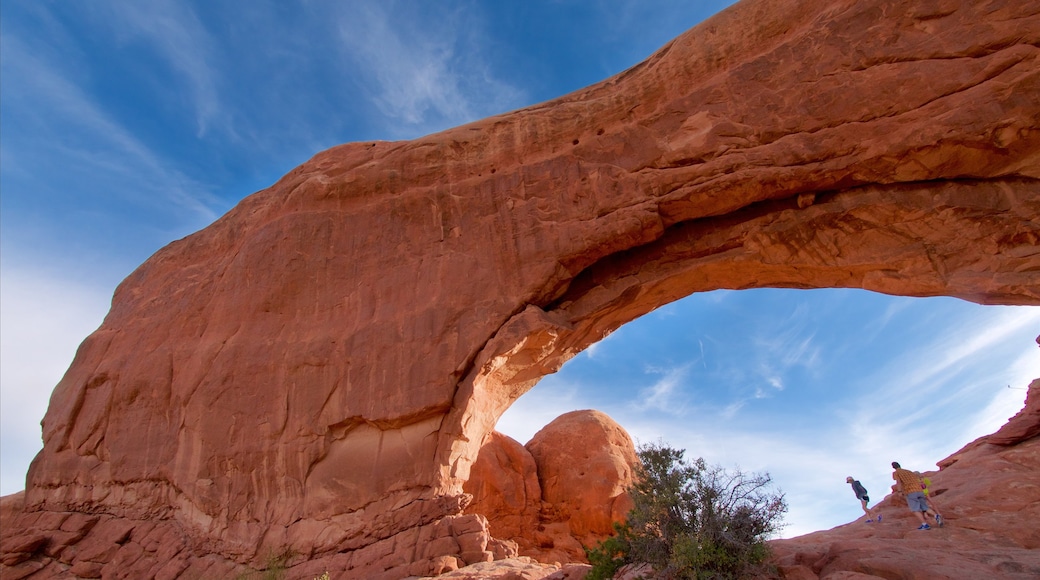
(692, 520)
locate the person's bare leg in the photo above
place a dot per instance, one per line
(863, 504)
(920, 516)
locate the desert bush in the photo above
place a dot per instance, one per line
(692, 520)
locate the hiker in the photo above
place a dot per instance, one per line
(909, 484)
(864, 499)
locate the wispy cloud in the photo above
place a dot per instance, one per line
(951, 351)
(177, 35)
(423, 74)
(64, 113)
(411, 69)
(666, 394)
(787, 343)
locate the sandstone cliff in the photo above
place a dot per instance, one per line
(313, 375)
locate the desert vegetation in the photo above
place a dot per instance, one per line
(692, 520)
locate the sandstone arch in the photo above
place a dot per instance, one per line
(317, 369)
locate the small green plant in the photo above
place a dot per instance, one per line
(275, 567)
(691, 520)
(609, 556)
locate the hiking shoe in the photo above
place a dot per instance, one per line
(925, 527)
(939, 520)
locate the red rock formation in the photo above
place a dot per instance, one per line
(314, 373)
(504, 484)
(522, 568)
(559, 494)
(584, 463)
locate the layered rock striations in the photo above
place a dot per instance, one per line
(313, 375)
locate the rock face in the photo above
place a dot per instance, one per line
(504, 484)
(559, 494)
(313, 374)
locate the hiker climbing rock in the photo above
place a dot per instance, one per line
(909, 484)
(864, 499)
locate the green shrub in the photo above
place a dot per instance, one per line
(608, 556)
(691, 520)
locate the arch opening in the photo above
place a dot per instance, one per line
(807, 385)
(875, 238)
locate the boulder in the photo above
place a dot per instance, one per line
(504, 484)
(585, 462)
(561, 492)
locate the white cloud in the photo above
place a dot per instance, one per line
(784, 345)
(424, 74)
(412, 69)
(43, 320)
(952, 351)
(666, 393)
(1004, 402)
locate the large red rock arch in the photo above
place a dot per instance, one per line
(317, 370)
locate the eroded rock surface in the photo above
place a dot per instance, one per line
(314, 373)
(505, 488)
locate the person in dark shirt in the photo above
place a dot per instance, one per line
(864, 499)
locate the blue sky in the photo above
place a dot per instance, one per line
(124, 126)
